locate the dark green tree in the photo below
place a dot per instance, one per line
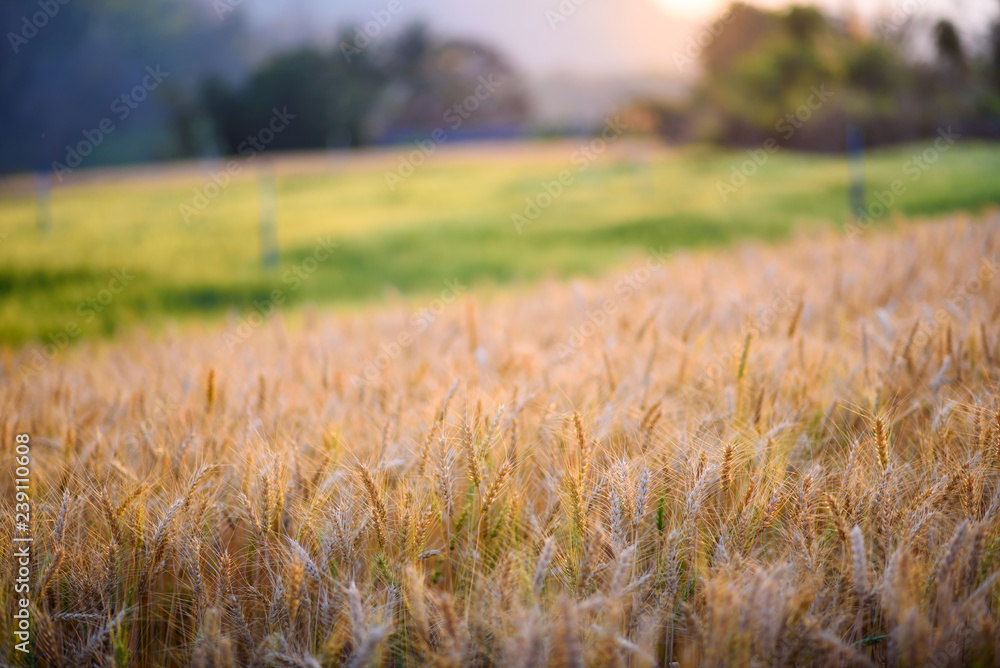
(949, 44)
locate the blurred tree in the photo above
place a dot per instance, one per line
(302, 82)
(769, 69)
(762, 71)
(390, 90)
(805, 24)
(746, 27)
(458, 86)
(949, 44)
(328, 96)
(406, 55)
(994, 55)
(185, 125)
(64, 78)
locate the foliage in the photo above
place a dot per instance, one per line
(764, 65)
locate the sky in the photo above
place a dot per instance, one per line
(596, 39)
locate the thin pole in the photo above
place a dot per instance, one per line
(856, 168)
(43, 197)
(267, 197)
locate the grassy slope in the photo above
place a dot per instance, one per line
(450, 220)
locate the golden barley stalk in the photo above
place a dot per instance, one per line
(210, 391)
(743, 358)
(881, 443)
(377, 505)
(795, 318)
(496, 485)
(996, 441)
(471, 457)
(838, 519)
(726, 475)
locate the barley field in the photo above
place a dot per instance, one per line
(781, 454)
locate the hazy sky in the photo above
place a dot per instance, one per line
(599, 38)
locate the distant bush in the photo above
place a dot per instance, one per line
(763, 66)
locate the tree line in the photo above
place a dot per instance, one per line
(796, 75)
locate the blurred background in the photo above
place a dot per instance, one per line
(901, 68)
(361, 74)
(422, 136)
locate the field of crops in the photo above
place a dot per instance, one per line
(783, 454)
(347, 236)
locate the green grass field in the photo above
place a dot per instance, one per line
(450, 220)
